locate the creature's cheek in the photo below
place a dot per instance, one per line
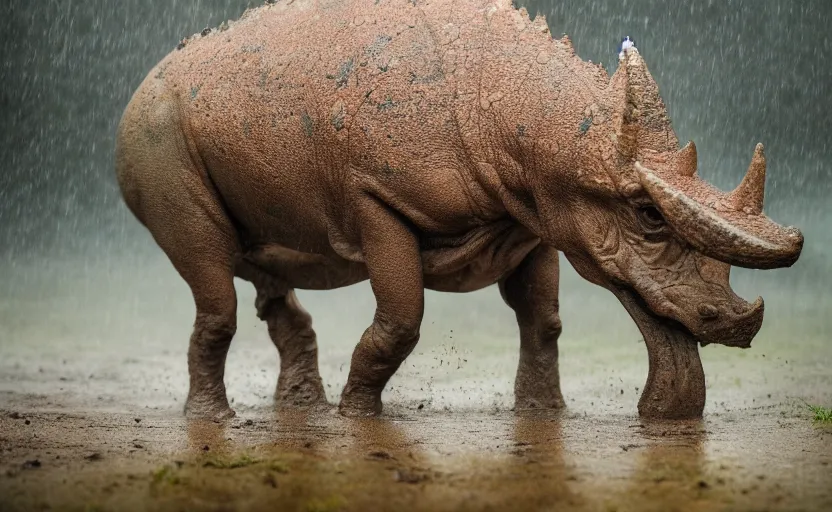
(621, 267)
(665, 253)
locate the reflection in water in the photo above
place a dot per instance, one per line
(376, 435)
(670, 469)
(522, 458)
(329, 433)
(207, 436)
(535, 460)
(539, 460)
(538, 428)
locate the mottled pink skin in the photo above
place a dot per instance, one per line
(442, 145)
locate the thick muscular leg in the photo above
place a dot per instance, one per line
(202, 252)
(167, 191)
(532, 292)
(290, 328)
(215, 325)
(199, 241)
(391, 252)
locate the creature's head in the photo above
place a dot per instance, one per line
(641, 223)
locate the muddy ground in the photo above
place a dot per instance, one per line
(93, 375)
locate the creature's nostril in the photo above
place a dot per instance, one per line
(708, 310)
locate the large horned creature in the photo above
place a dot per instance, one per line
(441, 145)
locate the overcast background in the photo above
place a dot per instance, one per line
(75, 264)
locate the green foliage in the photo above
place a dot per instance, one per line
(239, 461)
(278, 466)
(166, 475)
(822, 414)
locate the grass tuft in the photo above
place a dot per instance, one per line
(278, 466)
(240, 461)
(166, 475)
(822, 414)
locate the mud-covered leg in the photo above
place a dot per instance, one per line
(200, 244)
(169, 193)
(214, 328)
(391, 252)
(290, 328)
(532, 292)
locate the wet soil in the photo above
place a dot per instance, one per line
(93, 378)
(414, 461)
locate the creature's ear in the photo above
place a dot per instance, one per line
(640, 115)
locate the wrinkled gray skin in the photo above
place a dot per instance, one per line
(448, 146)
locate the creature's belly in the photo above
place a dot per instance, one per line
(479, 259)
(306, 271)
(457, 264)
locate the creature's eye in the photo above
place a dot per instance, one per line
(651, 218)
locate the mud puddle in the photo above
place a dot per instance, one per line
(414, 460)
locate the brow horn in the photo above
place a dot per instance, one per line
(748, 196)
(687, 160)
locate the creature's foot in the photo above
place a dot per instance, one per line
(205, 408)
(537, 385)
(540, 399)
(299, 390)
(357, 402)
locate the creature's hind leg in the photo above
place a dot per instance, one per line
(202, 252)
(290, 328)
(532, 292)
(166, 191)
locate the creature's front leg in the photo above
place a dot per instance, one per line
(532, 292)
(391, 253)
